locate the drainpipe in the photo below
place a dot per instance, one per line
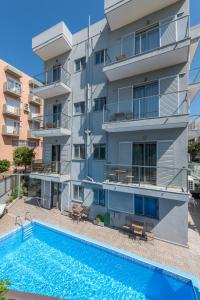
(88, 98)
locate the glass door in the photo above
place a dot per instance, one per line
(144, 162)
(56, 195)
(56, 73)
(55, 158)
(146, 101)
(57, 115)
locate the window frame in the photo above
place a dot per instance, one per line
(102, 57)
(99, 146)
(99, 100)
(81, 62)
(76, 104)
(144, 200)
(79, 146)
(98, 202)
(80, 193)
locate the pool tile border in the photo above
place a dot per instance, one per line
(185, 277)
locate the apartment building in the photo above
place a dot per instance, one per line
(116, 116)
(18, 107)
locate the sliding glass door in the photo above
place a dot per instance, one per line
(146, 101)
(144, 162)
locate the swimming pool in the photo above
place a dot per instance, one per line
(60, 264)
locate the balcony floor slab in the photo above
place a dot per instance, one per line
(52, 90)
(50, 177)
(147, 190)
(52, 132)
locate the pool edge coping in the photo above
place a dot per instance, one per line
(184, 276)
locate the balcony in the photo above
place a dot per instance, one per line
(194, 127)
(122, 12)
(12, 88)
(52, 125)
(57, 171)
(13, 71)
(162, 45)
(55, 82)
(10, 131)
(11, 110)
(30, 135)
(34, 99)
(52, 42)
(155, 181)
(33, 117)
(147, 113)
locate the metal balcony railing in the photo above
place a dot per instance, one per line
(53, 121)
(147, 175)
(157, 106)
(163, 33)
(11, 110)
(54, 75)
(52, 167)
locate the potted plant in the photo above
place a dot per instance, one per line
(99, 221)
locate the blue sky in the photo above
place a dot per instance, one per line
(22, 19)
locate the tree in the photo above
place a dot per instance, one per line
(193, 149)
(4, 165)
(23, 156)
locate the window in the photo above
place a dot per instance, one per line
(79, 108)
(79, 151)
(99, 103)
(100, 57)
(147, 40)
(80, 64)
(99, 151)
(14, 85)
(78, 193)
(99, 197)
(147, 206)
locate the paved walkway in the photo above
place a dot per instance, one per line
(183, 259)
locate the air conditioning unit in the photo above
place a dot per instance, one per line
(192, 182)
(26, 107)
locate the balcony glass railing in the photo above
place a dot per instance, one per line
(157, 106)
(147, 175)
(52, 167)
(194, 123)
(164, 33)
(53, 121)
(54, 75)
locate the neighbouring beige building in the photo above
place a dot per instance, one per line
(18, 108)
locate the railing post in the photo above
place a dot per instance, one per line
(139, 175)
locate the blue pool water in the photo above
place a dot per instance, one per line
(57, 264)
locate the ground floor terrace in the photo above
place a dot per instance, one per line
(186, 259)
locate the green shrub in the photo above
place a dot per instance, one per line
(4, 289)
(99, 218)
(4, 165)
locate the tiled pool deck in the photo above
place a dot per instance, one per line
(183, 259)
